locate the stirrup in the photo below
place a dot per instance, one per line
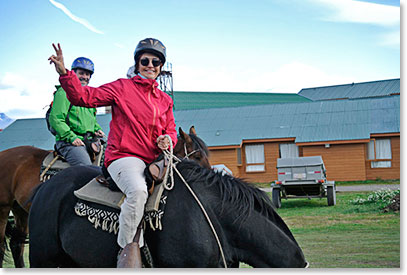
(158, 169)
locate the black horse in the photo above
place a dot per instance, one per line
(248, 227)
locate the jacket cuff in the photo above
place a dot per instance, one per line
(65, 76)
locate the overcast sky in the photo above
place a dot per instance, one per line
(278, 46)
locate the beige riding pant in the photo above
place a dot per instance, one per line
(128, 173)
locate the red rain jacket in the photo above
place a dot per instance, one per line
(140, 114)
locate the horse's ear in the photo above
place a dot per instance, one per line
(192, 130)
(184, 136)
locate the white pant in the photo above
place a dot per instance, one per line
(128, 173)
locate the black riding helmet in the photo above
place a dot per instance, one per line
(150, 45)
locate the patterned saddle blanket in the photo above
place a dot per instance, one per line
(96, 192)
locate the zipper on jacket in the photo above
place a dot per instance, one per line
(155, 108)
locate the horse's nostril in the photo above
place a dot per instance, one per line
(306, 264)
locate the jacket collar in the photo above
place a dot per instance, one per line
(147, 82)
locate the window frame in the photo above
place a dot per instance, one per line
(376, 160)
(255, 163)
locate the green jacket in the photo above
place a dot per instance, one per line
(81, 119)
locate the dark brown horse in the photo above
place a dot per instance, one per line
(20, 173)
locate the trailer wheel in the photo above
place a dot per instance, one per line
(331, 195)
(276, 197)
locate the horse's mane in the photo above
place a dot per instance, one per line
(242, 197)
(239, 196)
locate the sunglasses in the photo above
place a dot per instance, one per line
(145, 61)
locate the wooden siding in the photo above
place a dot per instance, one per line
(386, 173)
(344, 162)
(227, 157)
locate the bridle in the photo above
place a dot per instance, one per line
(187, 155)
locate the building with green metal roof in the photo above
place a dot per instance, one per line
(358, 139)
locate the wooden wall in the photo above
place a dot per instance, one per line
(227, 157)
(343, 162)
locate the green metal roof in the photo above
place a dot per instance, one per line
(204, 100)
(354, 90)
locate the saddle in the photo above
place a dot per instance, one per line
(54, 163)
(158, 169)
(51, 165)
(98, 191)
(102, 190)
(154, 174)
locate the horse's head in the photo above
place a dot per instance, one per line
(192, 147)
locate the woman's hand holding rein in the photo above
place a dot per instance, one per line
(58, 60)
(163, 142)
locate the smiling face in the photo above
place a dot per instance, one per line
(149, 70)
(83, 75)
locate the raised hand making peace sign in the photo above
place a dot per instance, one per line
(58, 60)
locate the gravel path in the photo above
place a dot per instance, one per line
(352, 188)
(367, 187)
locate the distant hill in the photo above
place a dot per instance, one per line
(5, 121)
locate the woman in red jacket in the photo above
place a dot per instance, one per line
(141, 117)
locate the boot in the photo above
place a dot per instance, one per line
(129, 256)
(157, 170)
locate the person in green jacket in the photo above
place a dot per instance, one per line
(71, 122)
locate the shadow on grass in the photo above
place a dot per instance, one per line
(309, 203)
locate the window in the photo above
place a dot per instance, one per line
(289, 150)
(379, 151)
(254, 158)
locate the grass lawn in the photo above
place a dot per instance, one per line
(345, 235)
(342, 236)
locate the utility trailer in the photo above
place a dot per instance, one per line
(302, 177)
